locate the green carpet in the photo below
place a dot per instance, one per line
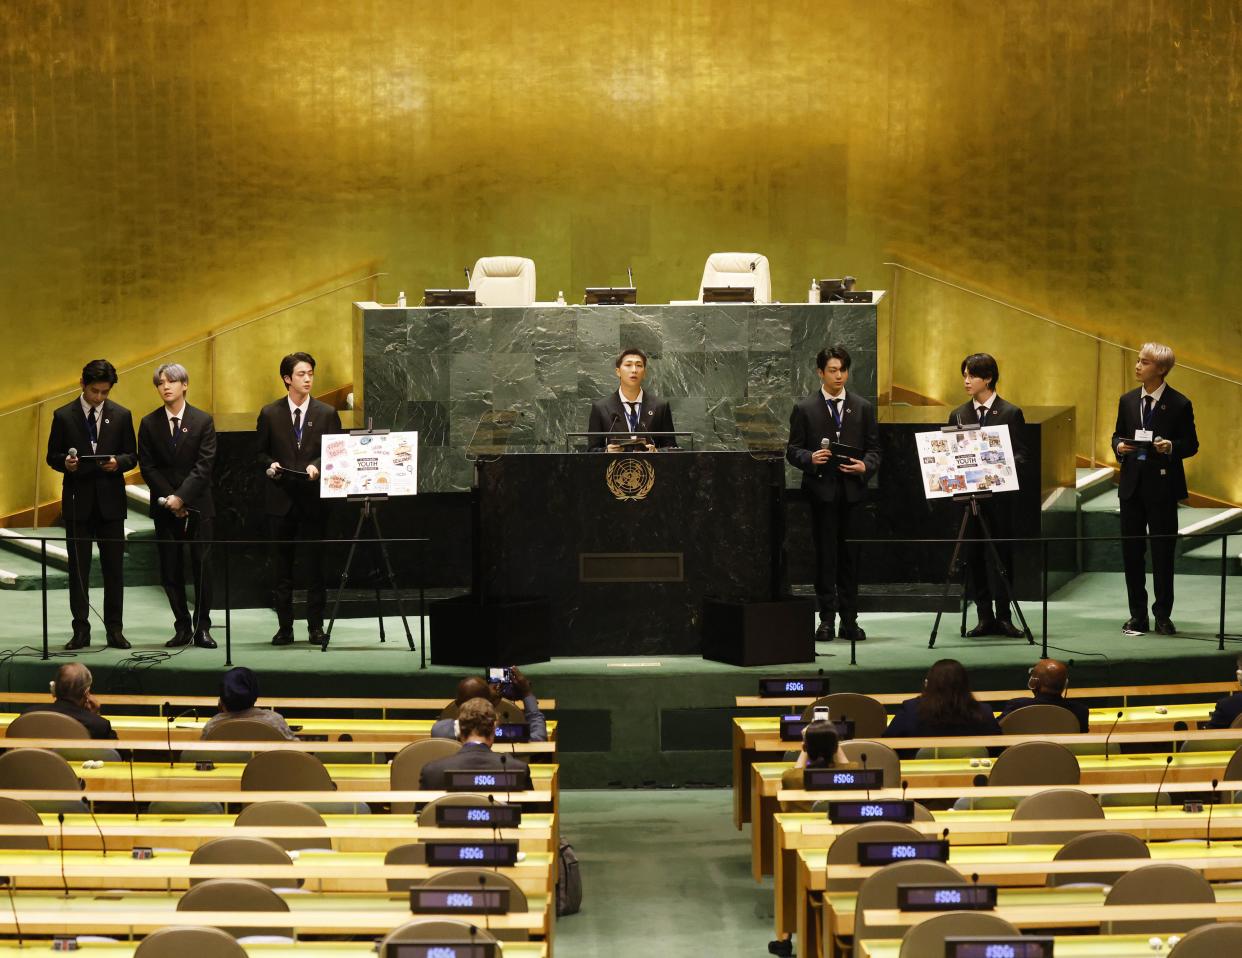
(664, 873)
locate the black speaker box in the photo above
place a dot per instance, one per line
(512, 631)
(759, 633)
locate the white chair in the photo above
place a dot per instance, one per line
(739, 270)
(503, 281)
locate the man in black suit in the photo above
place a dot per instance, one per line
(71, 695)
(1229, 708)
(630, 411)
(980, 375)
(93, 495)
(1155, 431)
(290, 431)
(177, 452)
(1049, 680)
(476, 729)
(834, 485)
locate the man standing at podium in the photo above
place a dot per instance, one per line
(834, 485)
(629, 410)
(1155, 431)
(289, 433)
(980, 375)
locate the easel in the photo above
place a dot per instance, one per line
(971, 500)
(370, 514)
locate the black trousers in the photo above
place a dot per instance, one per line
(836, 562)
(110, 534)
(985, 584)
(172, 568)
(1146, 514)
(299, 523)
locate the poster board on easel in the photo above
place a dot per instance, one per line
(959, 462)
(369, 464)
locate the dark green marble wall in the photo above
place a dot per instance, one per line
(730, 372)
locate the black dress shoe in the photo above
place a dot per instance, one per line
(80, 640)
(1136, 626)
(118, 641)
(204, 640)
(852, 633)
(1007, 628)
(283, 638)
(982, 627)
(182, 637)
(781, 947)
(827, 630)
(316, 636)
(1166, 627)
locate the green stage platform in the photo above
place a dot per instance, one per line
(634, 721)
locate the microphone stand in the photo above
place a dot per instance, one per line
(1156, 804)
(1110, 733)
(60, 818)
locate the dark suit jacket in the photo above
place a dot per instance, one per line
(277, 443)
(1002, 414)
(1081, 712)
(97, 725)
(810, 422)
(472, 758)
(90, 487)
(906, 723)
(608, 415)
(184, 472)
(1173, 418)
(1227, 709)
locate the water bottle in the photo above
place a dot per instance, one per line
(401, 298)
(812, 295)
(560, 297)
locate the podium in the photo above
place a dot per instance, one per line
(627, 549)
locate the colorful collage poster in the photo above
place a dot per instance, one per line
(381, 464)
(973, 460)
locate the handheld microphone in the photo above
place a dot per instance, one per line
(13, 908)
(1167, 762)
(163, 501)
(1110, 733)
(73, 453)
(1215, 782)
(60, 817)
(272, 471)
(90, 810)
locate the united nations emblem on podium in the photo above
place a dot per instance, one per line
(630, 479)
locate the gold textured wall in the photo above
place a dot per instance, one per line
(169, 166)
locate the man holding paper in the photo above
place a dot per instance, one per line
(834, 482)
(92, 444)
(980, 374)
(289, 434)
(1155, 431)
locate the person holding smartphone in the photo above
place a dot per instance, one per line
(513, 687)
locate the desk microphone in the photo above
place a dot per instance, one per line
(168, 726)
(60, 817)
(1215, 782)
(13, 908)
(90, 810)
(1110, 733)
(133, 793)
(1167, 762)
(862, 757)
(905, 783)
(482, 889)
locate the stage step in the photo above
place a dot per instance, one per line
(1101, 516)
(18, 573)
(1093, 482)
(899, 596)
(141, 560)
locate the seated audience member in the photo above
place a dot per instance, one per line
(946, 707)
(476, 723)
(1228, 708)
(519, 690)
(1048, 680)
(71, 694)
(821, 748)
(239, 690)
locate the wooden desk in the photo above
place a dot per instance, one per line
(394, 734)
(321, 870)
(1078, 905)
(308, 913)
(178, 703)
(757, 738)
(1065, 946)
(303, 949)
(956, 777)
(348, 833)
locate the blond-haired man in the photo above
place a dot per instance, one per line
(1155, 431)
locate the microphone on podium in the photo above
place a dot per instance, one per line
(1215, 782)
(1110, 733)
(1156, 804)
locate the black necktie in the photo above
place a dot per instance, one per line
(1147, 407)
(297, 425)
(983, 414)
(631, 415)
(92, 430)
(176, 431)
(833, 404)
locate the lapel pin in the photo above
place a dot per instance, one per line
(185, 428)
(849, 410)
(108, 422)
(1163, 407)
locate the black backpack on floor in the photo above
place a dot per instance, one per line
(568, 881)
